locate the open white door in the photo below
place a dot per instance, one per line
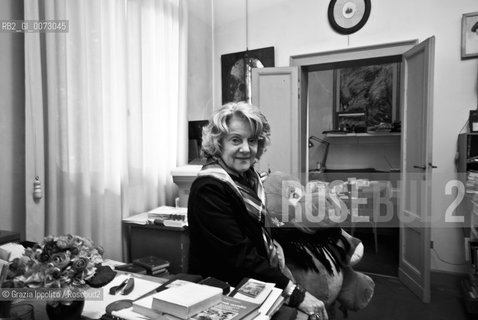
(415, 187)
(276, 92)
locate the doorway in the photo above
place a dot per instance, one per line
(415, 163)
(369, 157)
(283, 90)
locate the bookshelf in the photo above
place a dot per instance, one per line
(467, 168)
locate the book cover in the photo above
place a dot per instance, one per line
(186, 300)
(152, 263)
(252, 290)
(229, 308)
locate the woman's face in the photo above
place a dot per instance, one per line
(239, 146)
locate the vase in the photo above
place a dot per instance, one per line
(70, 310)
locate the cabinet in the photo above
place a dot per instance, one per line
(171, 244)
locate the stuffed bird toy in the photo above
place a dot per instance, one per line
(318, 252)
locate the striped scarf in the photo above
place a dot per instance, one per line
(253, 196)
(254, 199)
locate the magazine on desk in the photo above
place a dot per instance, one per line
(266, 294)
(229, 308)
(252, 290)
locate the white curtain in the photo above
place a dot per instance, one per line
(112, 91)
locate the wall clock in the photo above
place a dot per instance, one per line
(348, 16)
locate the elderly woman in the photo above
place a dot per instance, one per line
(228, 224)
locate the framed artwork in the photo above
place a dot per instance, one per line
(236, 73)
(195, 141)
(366, 97)
(469, 35)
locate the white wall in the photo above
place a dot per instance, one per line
(12, 123)
(200, 62)
(301, 26)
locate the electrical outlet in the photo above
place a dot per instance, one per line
(431, 244)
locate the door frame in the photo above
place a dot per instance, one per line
(414, 268)
(312, 61)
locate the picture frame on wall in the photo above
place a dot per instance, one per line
(366, 97)
(469, 35)
(236, 72)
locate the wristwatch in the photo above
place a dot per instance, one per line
(295, 294)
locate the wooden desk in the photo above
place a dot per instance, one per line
(39, 306)
(9, 236)
(167, 243)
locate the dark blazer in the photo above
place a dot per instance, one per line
(225, 241)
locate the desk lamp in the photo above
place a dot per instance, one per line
(324, 157)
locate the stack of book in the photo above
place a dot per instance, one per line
(473, 221)
(472, 182)
(130, 268)
(154, 266)
(180, 300)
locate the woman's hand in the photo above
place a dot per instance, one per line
(313, 307)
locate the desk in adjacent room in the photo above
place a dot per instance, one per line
(167, 243)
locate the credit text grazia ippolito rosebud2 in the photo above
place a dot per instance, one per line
(45, 294)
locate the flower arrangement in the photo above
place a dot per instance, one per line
(58, 262)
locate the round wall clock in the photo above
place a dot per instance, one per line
(348, 16)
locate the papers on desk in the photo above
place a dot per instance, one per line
(96, 308)
(141, 218)
(11, 250)
(175, 217)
